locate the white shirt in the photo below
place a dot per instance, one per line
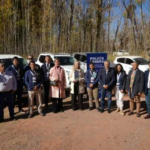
(7, 82)
(148, 84)
(118, 77)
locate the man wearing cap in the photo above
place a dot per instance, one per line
(134, 87)
(8, 86)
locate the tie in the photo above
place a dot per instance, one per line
(106, 72)
(47, 66)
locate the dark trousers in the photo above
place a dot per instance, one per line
(108, 94)
(74, 101)
(148, 101)
(8, 97)
(57, 104)
(18, 93)
(46, 89)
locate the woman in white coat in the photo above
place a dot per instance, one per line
(77, 85)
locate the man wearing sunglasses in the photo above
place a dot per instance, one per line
(27, 67)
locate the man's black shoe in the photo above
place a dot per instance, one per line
(30, 116)
(98, 109)
(62, 110)
(46, 108)
(13, 119)
(90, 108)
(1, 120)
(109, 111)
(102, 110)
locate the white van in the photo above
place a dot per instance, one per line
(126, 62)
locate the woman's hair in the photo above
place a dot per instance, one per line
(116, 70)
(32, 62)
(56, 59)
(74, 68)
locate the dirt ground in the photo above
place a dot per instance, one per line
(79, 130)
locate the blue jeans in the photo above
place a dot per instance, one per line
(148, 101)
(8, 97)
(108, 94)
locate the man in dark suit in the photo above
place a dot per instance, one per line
(134, 87)
(107, 80)
(18, 72)
(45, 69)
(147, 90)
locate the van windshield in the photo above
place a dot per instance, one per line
(65, 60)
(141, 61)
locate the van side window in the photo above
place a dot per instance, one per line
(83, 58)
(129, 61)
(42, 59)
(120, 60)
(77, 57)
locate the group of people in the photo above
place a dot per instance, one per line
(52, 78)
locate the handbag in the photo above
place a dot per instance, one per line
(53, 83)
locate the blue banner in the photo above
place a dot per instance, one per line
(98, 59)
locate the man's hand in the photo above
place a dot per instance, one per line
(56, 79)
(91, 85)
(121, 91)
(139, 94)
(126, 91)
(74, 81)
(35, 88)
(105, 87)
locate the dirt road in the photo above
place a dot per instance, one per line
(79, 130)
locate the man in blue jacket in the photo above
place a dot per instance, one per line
(45, 69)
(18, 72)
(107, 81)
(33, 80)
(147, 90)
(92, 86)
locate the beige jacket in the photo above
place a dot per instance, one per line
(81, 81)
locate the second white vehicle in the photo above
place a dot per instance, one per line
(66, 61)
(126, 62)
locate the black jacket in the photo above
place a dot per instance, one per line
(122, 81)
(108, 79)
(44, 71)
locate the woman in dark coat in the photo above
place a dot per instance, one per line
(120, 87)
